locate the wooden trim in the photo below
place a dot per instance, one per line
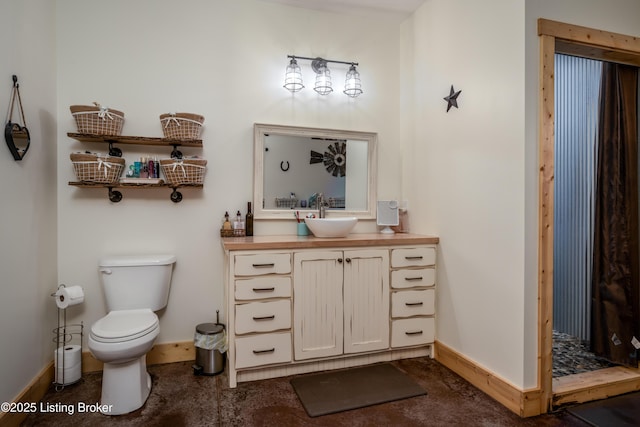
(545, 220)
(595, 385)
(596, 44)
(589, 36)
(32, 393)
(159, 354)
(525, 403)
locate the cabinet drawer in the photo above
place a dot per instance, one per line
(259, 264)
(413, 257)
(410, 278)
(416, 331)
(263, 316)
(413, 303)
(263, 287)
(264, 349)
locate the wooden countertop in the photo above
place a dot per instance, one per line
(291, 241)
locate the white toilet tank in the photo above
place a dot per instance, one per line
(134, 282)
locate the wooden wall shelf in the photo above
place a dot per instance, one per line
(135, 140)
(114, 195)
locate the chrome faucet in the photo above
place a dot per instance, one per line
(321, 206)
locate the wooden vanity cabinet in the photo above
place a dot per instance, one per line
(413, 275)
(340, 301)
(296, 305)
(261, 321)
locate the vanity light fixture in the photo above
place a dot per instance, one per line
(323, 77)
(323, 84)
(352, 85)
(293, 77)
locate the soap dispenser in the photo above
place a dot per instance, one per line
(238, 225)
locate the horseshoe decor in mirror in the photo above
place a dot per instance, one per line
(16, 136)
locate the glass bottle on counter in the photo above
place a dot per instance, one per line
(249, 220)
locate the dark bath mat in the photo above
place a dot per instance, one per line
(337, 391)
(617, 411)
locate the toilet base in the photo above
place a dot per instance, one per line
(125, 386)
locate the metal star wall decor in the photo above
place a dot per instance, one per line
(452, 99)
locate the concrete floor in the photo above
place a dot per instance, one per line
(178, 398)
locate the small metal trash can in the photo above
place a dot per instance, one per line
(211, 345)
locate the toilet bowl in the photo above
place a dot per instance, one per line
(134, 288)
(121, 340)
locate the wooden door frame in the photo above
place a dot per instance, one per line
(558, 37)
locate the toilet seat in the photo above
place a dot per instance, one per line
(124, 325)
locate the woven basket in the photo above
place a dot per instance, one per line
(96, 168)
(97, 120)
(181, 125)
(183, 171)
(286, 202)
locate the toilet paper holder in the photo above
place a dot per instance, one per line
(68, 368)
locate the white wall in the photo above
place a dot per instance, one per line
(464, 171)
(28, 206)
(479, 164)
(226, 61)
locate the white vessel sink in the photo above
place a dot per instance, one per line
(331, 227)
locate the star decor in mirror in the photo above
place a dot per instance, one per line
(335, 160)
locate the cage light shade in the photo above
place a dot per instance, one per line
(323, 81)
(293, 77)
(352, 84)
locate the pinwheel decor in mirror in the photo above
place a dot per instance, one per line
(16, 135)
(335, 160)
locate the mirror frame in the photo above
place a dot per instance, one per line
(259, 129)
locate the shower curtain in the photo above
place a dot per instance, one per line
(615, 301)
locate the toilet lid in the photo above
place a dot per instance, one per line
(124, 325)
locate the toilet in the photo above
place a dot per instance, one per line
(134, 288)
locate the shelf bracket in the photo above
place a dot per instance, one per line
(176, 196)
(176, 154)
(114, 195)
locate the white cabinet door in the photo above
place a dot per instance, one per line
(366, 300)
(317, 301)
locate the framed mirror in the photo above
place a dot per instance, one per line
(292, 165)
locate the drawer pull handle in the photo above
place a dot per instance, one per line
(264, 289)
(413, 333)
(271, 350)
(413, 258)
(413, 279)
(266, 265)
(259, 318)
(413, 304)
